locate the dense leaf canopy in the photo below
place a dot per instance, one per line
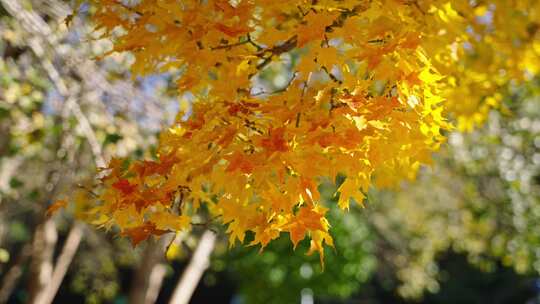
(375, 86)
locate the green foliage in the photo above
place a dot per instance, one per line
(263, 275)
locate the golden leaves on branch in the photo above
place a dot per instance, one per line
(371, 90)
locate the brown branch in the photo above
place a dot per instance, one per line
(277, 50)
(229, 46)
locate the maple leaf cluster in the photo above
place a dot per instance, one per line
(369, 98)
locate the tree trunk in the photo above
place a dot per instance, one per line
(194, 270)
(149, 276)
(41, 265)
(62, 264)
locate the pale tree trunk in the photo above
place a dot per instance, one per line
(62, 264)
(41, 266)
(149, 276)
(196, 267)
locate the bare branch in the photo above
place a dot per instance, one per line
(194, 270)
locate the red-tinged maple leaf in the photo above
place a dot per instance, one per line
(325, 139)
(140, 204)
(141, 233)
(374, 61)
(161, 167)
(234, 108)
(276, 142)
(124, 186)
(241, 107)
(231, 31)
(240, 162)
(196, 122)
(227, 137)
(412, 79)
(148, 168)
(411, 41)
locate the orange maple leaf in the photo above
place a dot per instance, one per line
(57, 205)
(307, 219)
(240, 162)
(231, 31)
(141, 233)
(276, 142)
(314, 27)
(124, 186)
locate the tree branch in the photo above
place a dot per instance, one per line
(149, 275)
(194, 270)
(62, 264)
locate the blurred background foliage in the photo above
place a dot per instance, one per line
(467, 231)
